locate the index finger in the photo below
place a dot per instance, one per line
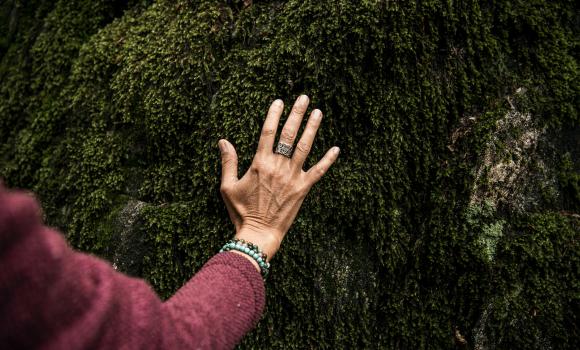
(268, 134)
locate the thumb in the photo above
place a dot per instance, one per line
(229, 162)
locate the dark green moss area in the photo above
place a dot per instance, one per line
(417, 238)
(531, 308)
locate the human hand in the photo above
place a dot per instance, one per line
(264, 202)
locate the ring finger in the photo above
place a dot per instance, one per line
(292, 125)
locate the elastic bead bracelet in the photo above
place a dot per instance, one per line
(250, 249)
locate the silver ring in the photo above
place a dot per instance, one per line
(284, 149)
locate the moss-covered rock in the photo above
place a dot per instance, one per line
(450, 219)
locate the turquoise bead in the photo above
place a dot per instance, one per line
(250, 249)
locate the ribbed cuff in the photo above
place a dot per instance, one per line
(250, 273)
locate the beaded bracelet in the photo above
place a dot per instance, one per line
(252, 250)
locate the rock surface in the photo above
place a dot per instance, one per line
(451, 219)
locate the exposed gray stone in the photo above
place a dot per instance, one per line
(129, 242)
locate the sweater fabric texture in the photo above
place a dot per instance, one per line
(52, 297)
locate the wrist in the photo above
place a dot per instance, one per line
(267, 240)
(251, 251)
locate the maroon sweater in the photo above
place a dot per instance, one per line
(52, 297)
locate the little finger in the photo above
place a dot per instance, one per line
(315, 173)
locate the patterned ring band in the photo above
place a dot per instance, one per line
(284, 149)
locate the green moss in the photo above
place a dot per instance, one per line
(569, 177)
(535, 287)
(105, 103)
(482, 221)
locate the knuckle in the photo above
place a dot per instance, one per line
(320, 170)
(288, 134)
(299, 108)
(303, 147)
(258, 159)
(314, 123)
(268, 171)
(225, 189)
(261, 168)
(256, 168)
(268, 131)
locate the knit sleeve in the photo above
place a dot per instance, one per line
(52, 297)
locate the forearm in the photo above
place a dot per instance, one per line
(227, 295)
(54, 297)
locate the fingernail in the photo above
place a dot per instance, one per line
(317, 113)
(222, 145)
(336, 150)
(303, 99)
(278, 102)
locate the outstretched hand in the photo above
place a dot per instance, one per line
(265, 201)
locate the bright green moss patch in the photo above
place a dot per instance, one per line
(449, 220)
